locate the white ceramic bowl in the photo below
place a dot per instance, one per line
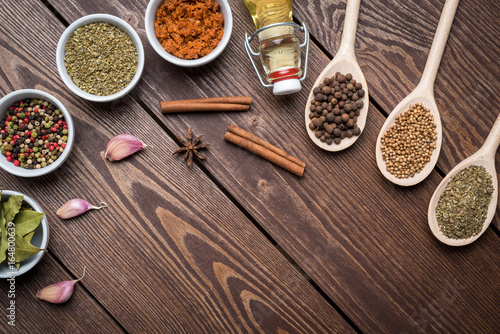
(113, 20)
(40, 238)
(18, 95)
(150, 19)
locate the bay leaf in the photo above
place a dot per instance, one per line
(12, 207)
(24, 249)
(27, 221)
(29, 236)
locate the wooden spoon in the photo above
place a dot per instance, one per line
(343, 62)
(484, 157)
(423, 93)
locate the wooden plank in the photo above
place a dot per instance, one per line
(393, 41)
(80, 314)
(363, 240)
(170, 253)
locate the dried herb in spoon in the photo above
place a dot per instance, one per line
(463, 206)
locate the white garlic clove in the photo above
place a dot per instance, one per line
(60, 292)
(121, 146)
(75, 207)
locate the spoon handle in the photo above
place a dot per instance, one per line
(439, 43)
(493, 140)
(350, 25)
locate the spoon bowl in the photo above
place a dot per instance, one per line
(424, 94)
(485, 157)
(426, 98)
(343, 62)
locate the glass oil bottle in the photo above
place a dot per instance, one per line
(279, 48)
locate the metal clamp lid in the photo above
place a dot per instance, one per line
(250, 52)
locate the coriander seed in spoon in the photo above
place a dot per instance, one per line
(422, 95)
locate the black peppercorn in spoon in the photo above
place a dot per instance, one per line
(484, 157)
(344, 62)
(424, 94)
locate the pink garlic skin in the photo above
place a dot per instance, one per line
(73, 208)
(121, 146)
(57, 293)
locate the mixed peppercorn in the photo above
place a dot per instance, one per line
(34, 133)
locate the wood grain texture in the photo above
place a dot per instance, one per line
(364, 241)
(170, 253)
(393, 42)
(80, 314)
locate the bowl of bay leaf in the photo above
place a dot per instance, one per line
(24, 233)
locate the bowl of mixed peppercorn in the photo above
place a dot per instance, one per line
(36, 132)
(100, 57)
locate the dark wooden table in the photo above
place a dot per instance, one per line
(236, 244)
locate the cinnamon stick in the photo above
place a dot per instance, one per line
(265, 153)
(167, 108)
(228, 103)
(247, 135)
(219, 99)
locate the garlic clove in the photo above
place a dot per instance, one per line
(75, 207)
(60, 292)
(121, 146)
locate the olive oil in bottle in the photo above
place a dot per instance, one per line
(278, 46)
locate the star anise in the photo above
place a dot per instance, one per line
(191, 147)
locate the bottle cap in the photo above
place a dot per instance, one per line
(288, 86)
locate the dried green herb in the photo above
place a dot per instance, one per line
(17, 225)
(27, 221)
(12, 207)
(463, 206)
(24, 249)
(100, 58)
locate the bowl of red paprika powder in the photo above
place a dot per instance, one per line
(188, 33)
(36, 133)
